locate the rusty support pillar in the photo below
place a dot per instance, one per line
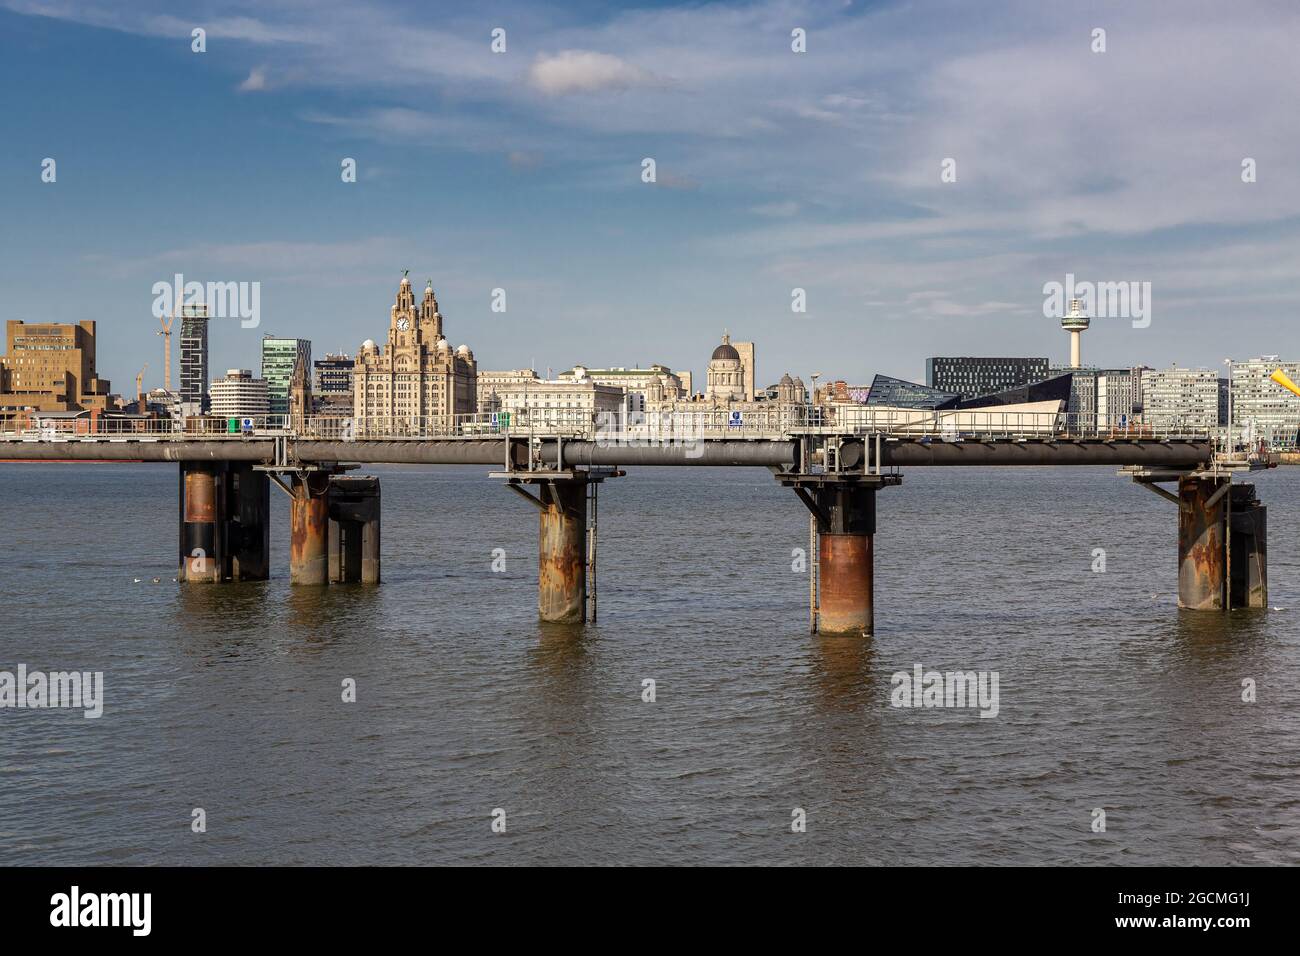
(202, 522)
(354, 529)
(248, 527)
(309, 529)
(1202, 552)
(845, 559)
(1248, 552)
(562, 550)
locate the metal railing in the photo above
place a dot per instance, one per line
(781, 421)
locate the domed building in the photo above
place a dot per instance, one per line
(727, 375)
(415, 381)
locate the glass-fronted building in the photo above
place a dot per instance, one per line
(279, 358)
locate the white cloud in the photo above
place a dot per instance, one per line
(584, 71)
(255, 81)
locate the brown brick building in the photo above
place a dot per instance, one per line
(50, 367)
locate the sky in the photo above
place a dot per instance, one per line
(775, 170)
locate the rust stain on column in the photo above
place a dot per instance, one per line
(561, 553)
(1202, 557)
(309, 530)
(200, 560)
(844, 564)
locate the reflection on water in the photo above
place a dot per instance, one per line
(229, 697)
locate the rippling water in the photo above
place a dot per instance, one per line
(228, 698)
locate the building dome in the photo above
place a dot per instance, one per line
(462, 350)
(786, 379)
(368, 344)
(726, 351)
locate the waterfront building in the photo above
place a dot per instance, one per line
(279, 359)
(488, 383)
(239, 395)
(900, 393)
(415, 379)
(1119, 397)
(1261, 408)
(969, 376)
(194, 359)
(727, 375)
(50, 366)
(556, 405)
(1180, 398)
(656, 383)
(333, 394)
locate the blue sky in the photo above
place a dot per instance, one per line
(776, 170)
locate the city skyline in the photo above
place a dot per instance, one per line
(776, 170)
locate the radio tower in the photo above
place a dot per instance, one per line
(1076, 323)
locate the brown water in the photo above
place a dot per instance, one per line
(228, 698)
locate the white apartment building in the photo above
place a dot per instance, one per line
(239, 395)
(1181, 398)
(1261, 408)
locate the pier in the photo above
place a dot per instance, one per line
(836, 471)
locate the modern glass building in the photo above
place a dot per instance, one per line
(279, 358)
(900, 393)
(969, 376)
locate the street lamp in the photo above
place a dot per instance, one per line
(812, 397)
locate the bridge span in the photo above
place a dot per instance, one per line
(225, 481)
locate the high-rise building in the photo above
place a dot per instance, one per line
(239, 395)
(1119, 397)
(1182, 398)
(970, 376)
(279, 358)
(416, 380)
(1261, 408)
(333, 386)
(50, 367)
(194, 359)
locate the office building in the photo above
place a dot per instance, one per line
(1261, 408)
(416, 380)
(239, 395)
(969, 376)
(637, 383)
(333, 385)
(1180, 398)
(50, 367)
(279, 358)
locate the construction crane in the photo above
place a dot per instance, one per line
(139, 388)
(166, 333)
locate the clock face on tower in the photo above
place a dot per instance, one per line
(403, 325)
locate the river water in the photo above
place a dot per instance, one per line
(229, 698)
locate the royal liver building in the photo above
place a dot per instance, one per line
(416, 381)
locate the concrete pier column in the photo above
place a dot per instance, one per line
(202, 522)
(1248, 551)
(562, 550)
(354, 529)
(248, 529)
(1202, 551)
(309, 529)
